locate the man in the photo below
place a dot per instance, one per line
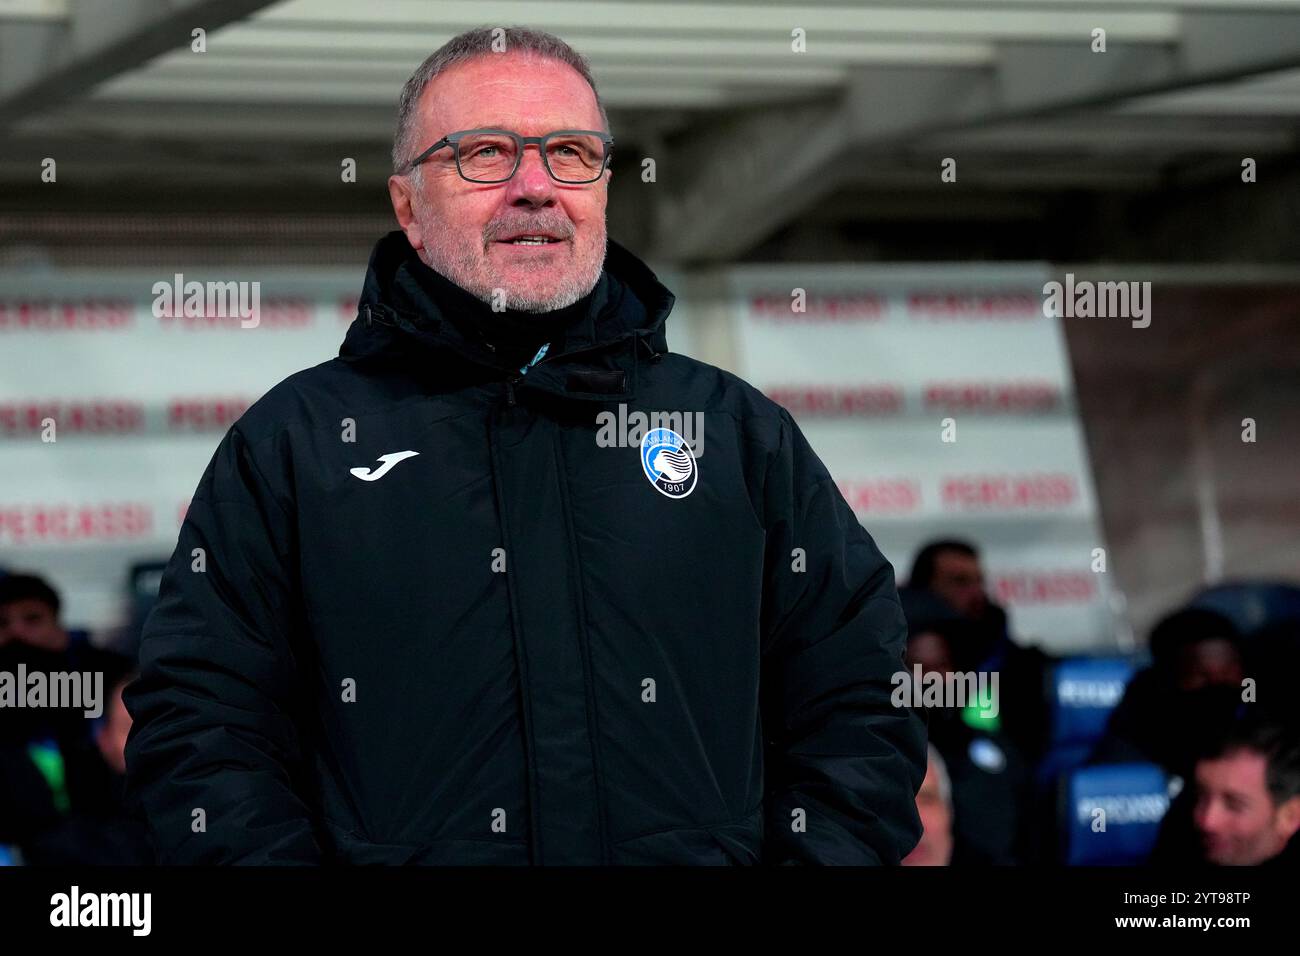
(986, 778)
(101, 830)
(33, 741)
(431, 604)
(1192, 688)
(1244, 806)
(950, 570)
(29, 615)
(48, 760)
(934, 805)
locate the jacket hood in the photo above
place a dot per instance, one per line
(398, 319)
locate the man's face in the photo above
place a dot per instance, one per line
(31, 622)
(1209, 663)
(935, 848)
(959, 581)
(1238, 823)
(457, 227)
(931, 651)
(111, 738)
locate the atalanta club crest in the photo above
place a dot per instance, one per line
(668, 462)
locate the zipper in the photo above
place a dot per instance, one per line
(521, 661)
(589, 686)
(536, 358)
(514, 380)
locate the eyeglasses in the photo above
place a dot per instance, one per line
(571, 156)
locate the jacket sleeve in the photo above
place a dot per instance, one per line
(842, 764)
(212, 708)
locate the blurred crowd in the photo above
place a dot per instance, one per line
(1206, 711)
(61, 774)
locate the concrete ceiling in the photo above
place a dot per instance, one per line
(750, 137)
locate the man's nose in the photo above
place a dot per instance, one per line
(1209, 818)
(531, 182)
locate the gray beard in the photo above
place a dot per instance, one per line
(462, 265)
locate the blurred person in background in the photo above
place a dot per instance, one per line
(47, 754)
(987, 775)
(934, 805)
(1192, 689)
(950, 569)
(1271, 656)
(1242, 807)
(101, 829)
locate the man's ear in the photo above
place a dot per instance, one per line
(1288, 817)
(401, 192)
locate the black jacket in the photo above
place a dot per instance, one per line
(513, 647)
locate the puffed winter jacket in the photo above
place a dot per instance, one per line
(502, 623)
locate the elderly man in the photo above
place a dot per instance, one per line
(467, 594)
(934, 804)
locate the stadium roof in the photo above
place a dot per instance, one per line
(880, 93)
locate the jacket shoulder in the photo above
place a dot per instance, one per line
(699, 385)
(308, 397)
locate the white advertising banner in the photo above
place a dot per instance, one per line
(138, 402)
(941, 400)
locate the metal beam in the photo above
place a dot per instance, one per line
(33, 9)
(1239, 44)
(272, 68)
(821, 21)
(1111, 134)
(728, 207)
(44, 63)
(731, 187)
(198, 91)
(620, 46)
(224, 122)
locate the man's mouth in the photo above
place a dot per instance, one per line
(531, 240)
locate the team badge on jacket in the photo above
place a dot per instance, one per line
(668, 462)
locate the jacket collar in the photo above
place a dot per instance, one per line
(601, 352)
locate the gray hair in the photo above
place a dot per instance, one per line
(941, 771)
(480, 41)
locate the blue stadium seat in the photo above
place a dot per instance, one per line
(1082, 692)
(1110, 813)
(1251, 605)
